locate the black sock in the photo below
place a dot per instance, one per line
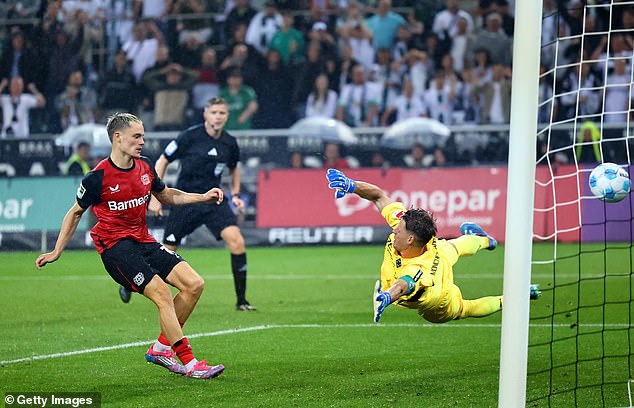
(239, 270)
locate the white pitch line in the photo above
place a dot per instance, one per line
(457, 277)
(285, 326)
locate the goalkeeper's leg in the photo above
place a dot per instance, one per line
(467, 245)
(481, 307)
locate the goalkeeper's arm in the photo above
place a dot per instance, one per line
(373, 193)
(344, 185)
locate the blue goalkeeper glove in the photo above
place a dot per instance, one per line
(381, 300)
(338, 181)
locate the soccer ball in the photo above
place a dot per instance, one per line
(609, 182)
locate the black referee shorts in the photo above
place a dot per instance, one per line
(133, 264)
(183, 220)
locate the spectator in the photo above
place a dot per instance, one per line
(578, 92)
(297, 160)
(418, 67)
(16, 106)
(417, 158)
(78, 163)
(495, 96)
(195, 32)
(440, 98)
(358, 102)
(63, 59)
(446, 22)
(19, 59)
(547, 111)
(263, 26)
(379, 160)
(208, 85)
(461, 42)
(350, 19)
(360, 41)
(404, 106)
(141, 49)
(171, 86)
(77, 104)
(493, 39)
(482, 69)
(240, 14)
(274, 90)
(386, 75)
(241, 100)
(163, 59)
(333, 158)
(155, 12)
(189, 53)
(319, 33)
(617, 93)
(89, 33)
(118, 90)
(384, 25)
(289, 42)
(322, 101)
(588, 148)
(246, 58)
(305, 76)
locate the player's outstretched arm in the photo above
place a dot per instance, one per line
(69, 225)
(384, 299)
(344, 185)
(174, 196)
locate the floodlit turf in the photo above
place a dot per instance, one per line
(311, 342)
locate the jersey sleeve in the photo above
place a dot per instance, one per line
(393, 213)
(89, 191)
(175, 148)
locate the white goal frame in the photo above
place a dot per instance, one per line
(519, 205)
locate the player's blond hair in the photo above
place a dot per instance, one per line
(118, 121)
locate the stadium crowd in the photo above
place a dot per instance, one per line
(365, 62)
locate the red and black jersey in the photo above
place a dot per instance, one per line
(119, 199)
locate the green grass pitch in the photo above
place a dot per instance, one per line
(311, 342)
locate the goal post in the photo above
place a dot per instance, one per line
(519, 205)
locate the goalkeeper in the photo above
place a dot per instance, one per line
(416, 272)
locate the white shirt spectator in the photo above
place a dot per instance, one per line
(439, 104)
(142, 54)
(446, 21)
(322, 108)
(356, 100)
(15, 114)
(408, 107)
(617, 98)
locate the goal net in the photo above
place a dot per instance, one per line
(580, 338)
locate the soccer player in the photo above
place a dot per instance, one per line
(118, 190)
(416, 272)
(204, 151)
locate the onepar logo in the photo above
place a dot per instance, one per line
(126, 205)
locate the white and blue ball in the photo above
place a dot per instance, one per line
(609, 182)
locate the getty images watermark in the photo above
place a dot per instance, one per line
(53, 399)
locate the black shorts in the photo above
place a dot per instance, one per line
(133, 264)
(183, 220)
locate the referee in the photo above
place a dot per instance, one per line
(204, 151)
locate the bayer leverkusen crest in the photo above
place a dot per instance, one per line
(145, 179)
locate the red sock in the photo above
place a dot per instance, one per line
(163, 340)
(183, 350)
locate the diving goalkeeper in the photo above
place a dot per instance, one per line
(417, 268)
